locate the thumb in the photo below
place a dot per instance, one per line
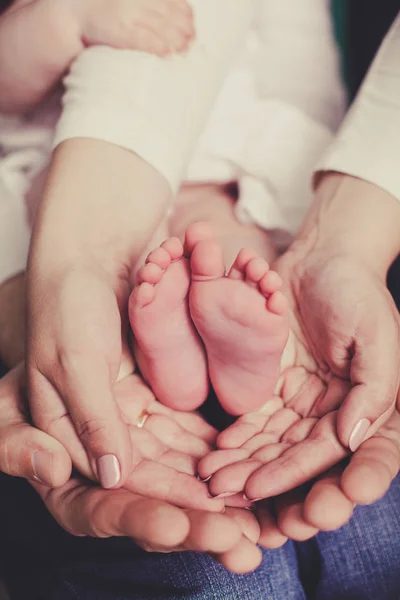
(374, 376)
(24, 450)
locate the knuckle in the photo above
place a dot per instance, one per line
(92, 429)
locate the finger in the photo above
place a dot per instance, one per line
(247, 522)
(83, 509)
(289, 509)
(332, 398)
(88, 396)
(301, 389)
(232, 479)
(216, 460)
(261, 441)
(248, 425)
(193, 423)
(150, 448)
(326, 507)
(175, 32)
(270, 452)
(211, 532)
(172, 9)
(182, 5)
(142, 37)
(299, 431)
(375, 378)
(172, 434)
(25, 451)
(238, 501)
(243, 558)
(270, 534)
(159, 481)
(133, 397)
(372, 469)
(300, 463)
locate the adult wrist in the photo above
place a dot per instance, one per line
(100, 206)
(354, 218)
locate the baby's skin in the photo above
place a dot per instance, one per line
(194, 324)
(40, 39)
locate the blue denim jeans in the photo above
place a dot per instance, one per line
(40, 561)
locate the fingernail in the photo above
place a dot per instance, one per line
(204, 480)
(108, 470)
(224, 495)
(358, 435)
(42, 465)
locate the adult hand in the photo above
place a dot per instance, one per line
(296, 437)
(340, 374)
(343, 313)
(330, 503)
(78, 286)
(85, 509)
(156, 526)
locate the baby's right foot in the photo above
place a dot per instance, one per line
(170, 353)
(242, 319)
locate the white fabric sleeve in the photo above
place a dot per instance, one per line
(155, 107)
(276, 114)
(24, 152)
(368, 143)
(301, 102)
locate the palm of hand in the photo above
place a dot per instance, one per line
(333, 316)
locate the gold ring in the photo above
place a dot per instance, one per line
(142, 418)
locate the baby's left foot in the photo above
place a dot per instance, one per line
(169, 352)
(242, 319)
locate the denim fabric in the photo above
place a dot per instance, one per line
(361, 561)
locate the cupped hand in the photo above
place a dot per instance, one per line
(297, 436)
(329, 504)
(347, 331)
(166, 452)
(83, 508)
(74, 359)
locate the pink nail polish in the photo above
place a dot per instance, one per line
(358, 434)
(108, 470)
(42, 464)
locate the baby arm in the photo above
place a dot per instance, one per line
(40, 39)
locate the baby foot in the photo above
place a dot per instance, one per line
(170, 353)
(242, 319)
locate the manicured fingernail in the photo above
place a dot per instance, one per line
(42, 465)
(204, 480)
(358, 435)
(108, 470)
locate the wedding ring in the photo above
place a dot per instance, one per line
(142, 418)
